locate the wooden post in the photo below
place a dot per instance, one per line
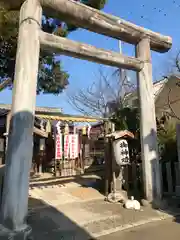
(149, 147)
(42, 147)
(8, 119)
(134, 178)
(107, 159)
(2, 170)
(19, 152)
(83, 153)
(169, 178)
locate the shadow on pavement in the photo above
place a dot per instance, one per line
(49, 223)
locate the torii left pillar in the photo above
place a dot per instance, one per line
(19, 151)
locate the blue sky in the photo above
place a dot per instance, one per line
(160, 16)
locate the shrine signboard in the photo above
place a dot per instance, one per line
(121, 152)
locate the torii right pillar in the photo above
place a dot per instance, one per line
(148, 130)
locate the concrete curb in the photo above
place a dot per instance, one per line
(163, 216)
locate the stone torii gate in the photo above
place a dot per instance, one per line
(31, 38)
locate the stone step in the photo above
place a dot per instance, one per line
(62, 181)
(55, 196)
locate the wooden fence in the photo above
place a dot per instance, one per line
(170, 178)
(170, 172)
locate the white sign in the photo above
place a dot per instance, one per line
(121, 152)
(66, 146)
(74, 146)
(58, 146)
(71, 146)
(42, 144)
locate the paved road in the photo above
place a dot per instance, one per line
(165, 230)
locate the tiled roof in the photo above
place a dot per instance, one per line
(38, 109)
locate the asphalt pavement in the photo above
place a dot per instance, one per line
(160, 230)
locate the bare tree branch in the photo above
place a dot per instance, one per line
(106, 90)
(178, 61)
(175, 70)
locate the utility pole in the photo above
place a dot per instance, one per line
(121, 71)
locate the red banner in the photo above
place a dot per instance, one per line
(71, 146)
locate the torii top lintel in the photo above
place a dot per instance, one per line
(97, 21)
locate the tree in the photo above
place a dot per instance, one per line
(173, 72)
(127, 119)
(166, 132)
(51, 77)
(105, 95)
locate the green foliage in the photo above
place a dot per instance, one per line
(166, 132)
(98, 4)
(8, 39)
(51, 77)
(56, 79)
(126, 118)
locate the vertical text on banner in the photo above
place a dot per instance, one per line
(58, 146)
